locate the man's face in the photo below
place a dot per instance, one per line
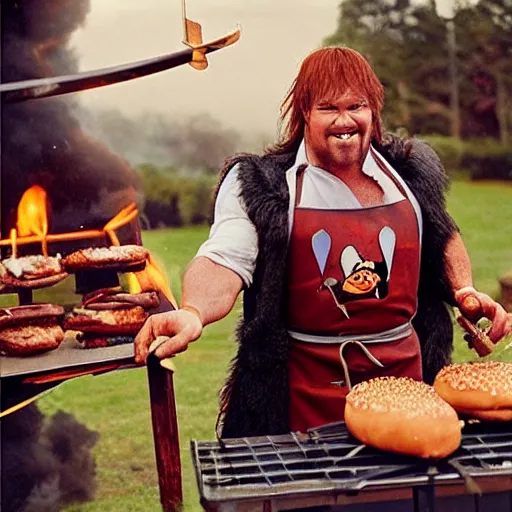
(338, 133)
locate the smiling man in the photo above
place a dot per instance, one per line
(341, 241)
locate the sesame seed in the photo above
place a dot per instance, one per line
(386, 394)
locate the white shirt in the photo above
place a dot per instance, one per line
(233, 241)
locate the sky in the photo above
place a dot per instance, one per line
(243, 85)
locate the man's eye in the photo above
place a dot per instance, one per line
(325, 107)
(356, 106)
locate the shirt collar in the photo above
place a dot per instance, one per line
(300, 158)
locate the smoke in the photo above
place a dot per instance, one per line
(46, 465)
(189, 143)
(46, 462)
(42, 140)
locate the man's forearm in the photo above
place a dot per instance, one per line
(458, 264)
(209, 288)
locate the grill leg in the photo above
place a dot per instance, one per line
(24, 296)
(165, 435)
(424, 498)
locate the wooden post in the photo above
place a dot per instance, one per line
(165, 434)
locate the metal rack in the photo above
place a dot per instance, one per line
(328, 466)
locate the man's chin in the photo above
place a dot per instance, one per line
(347, 161)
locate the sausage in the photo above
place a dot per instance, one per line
(109, 299)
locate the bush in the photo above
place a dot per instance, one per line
(449, 149)
(172, 199)
(488, 160)
(480, 159)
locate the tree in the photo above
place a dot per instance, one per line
(486, 54)
(406, 43)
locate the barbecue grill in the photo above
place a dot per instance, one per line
(25, 379)
(327, 467)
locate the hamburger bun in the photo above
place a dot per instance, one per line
(482, 390)
(105, 257)
(482, 385)
(28, 330)
(402, 415)
(489, 415)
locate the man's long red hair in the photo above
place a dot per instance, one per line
(326, 74)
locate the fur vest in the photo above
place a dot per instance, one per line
(255, 399)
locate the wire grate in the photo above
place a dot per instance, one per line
(329, 458)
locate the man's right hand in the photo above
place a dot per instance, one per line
(181, 327)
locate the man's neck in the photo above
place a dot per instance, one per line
(347, 174)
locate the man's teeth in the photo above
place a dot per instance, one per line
(343, 136)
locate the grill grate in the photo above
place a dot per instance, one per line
(329, 458)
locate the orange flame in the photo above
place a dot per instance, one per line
(151, 278)
(32, 216)
(32, 225)
(126, 215)
(32, 213)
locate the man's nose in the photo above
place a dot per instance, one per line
(343, 119)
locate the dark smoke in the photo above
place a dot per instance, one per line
(42, 141)
(45, 465)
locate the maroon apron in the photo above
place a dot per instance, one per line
(353, 282)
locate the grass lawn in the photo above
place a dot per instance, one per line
(116, 404)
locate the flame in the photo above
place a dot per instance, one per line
(126, 215)
(32, 225)
(32, 213)
(32, 218)
(122, 218)
(151, 278)
(133, 283)
(13, 235)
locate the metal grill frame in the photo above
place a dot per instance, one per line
(263, 468)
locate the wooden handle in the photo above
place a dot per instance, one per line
(476, 339)
(471, 308)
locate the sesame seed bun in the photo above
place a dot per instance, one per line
(402, 415)
(483, 385)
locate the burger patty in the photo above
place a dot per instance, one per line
(30, 339)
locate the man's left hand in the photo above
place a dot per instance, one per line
(475, 305)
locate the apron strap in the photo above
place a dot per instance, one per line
(390, 175)
(366, 352)
(298, 186)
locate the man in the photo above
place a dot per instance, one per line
(341, 241)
